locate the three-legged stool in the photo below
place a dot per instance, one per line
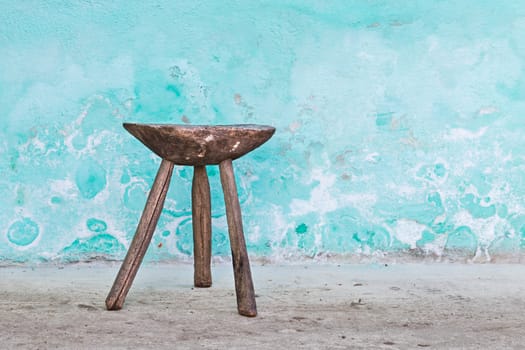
(197, 146)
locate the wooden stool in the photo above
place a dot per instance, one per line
(198, 146)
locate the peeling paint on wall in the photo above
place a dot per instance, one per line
(399, 124)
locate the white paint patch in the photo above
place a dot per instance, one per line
(484, 229)
(255, 234)
(38, 144)
(279, 221)
(68, 140)
(236, 145)
(502, 153)
(471, 189)
(408, 231)
(65, 188)
(170, 242)
(487, 110)
(363, 202)
(403, 190)
(321, 201)
(460, 134)
(501, 192)
(436, 247)
(95, 140)
(359, 198)
(294, 126)
(372, 157)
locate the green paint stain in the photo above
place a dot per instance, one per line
(379, 239)
(125, 178)
(301, 229)
(212, 171)
(442, 227)
(90, 179)
(23, 232)
(502, 211)
(384, 119)
(135, 196)
(12, 163)
(103, 243)
(79, 142)
(96, 225)
(220, 244)
(435, 199)
(184, 234)
(20, 196)
(472, 204)
(336, 239)
(186, 173)
(56, 200)
(426, 237)
(440, 170)
(174, 89)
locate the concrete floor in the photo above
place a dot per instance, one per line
(405, 306)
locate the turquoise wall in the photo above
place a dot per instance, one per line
(399, 124)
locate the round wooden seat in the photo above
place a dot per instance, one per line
(200, 144)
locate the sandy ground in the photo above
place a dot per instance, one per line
(405, 306)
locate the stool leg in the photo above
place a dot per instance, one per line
(241, 264)
(201, 215)
(142, 238)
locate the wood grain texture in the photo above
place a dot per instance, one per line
(201, 215)
(241, 265)
(200, 144)
(142, 238)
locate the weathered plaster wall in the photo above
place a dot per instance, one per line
(399, 124)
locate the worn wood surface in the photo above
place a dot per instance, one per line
(200, 144)
(241, 265)
(201, 215)
(142, 238)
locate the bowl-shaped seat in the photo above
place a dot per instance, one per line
(200, 144)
